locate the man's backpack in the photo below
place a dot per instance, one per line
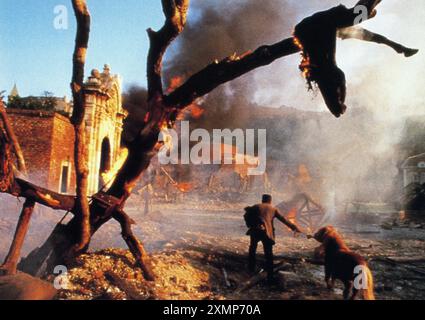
(252, 219)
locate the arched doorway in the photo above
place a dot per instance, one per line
(105, 161)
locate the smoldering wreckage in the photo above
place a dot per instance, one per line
(194, 231)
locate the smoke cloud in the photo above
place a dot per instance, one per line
(355, 154)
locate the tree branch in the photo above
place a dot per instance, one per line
(175, 12)
(12, 258)
(7, 175)
(141, 149)
(230, 68)
(135, 246)
(48, 198)
(80, 149)
(79, 58)
(12, 137)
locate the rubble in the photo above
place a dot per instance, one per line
(110, 274)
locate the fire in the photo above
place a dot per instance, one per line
(166, 137)
(174, 83)
(305, 65)
(193, 111)
(108, 177)
(292, 215)
(185, 186)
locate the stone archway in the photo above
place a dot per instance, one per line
(105, 161)
(104, 118)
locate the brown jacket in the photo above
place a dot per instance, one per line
(267, 212)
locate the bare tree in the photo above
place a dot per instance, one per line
(163, 111)
(80, 150)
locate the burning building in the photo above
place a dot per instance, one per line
(47, 136)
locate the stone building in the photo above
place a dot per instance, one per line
(47, 137)
(104, 122)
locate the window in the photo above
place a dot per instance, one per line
(64, 183)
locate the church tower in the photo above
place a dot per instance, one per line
(13, 93)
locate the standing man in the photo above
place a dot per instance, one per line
(147, 195)
(259, 219)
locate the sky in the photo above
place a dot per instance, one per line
(37, 57)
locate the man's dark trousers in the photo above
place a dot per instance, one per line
(261, 236)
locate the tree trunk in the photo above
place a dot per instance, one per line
(12, 258)
(80, 146)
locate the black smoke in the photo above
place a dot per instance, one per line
(217, 29)
(135, 103)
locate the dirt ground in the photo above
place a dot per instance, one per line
(199, 252)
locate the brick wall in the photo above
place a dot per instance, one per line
(62, 152)
(33, 130)
(46, 139)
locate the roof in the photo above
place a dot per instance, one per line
(414, 160)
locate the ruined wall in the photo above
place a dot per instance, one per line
(34, 130)
(47, 142)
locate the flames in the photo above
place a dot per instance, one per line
(292, 215)
(236, 57)
(185, 186)
(194, 110)
(167, 139)
(305, 65)
(175, 82)
(108, 177)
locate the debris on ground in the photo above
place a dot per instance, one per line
(199, 251)
(111, 275)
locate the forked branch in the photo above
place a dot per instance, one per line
(175, 12)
